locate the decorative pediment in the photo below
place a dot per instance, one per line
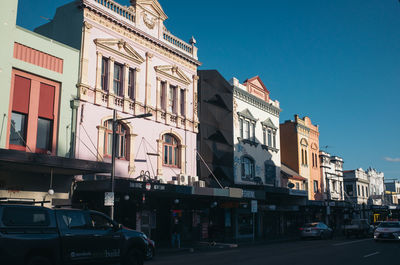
(256, 81)
(174, 73)
(247, 114)
(151, 6)
(268, 123)
(121, 48)
(314, 146)
(304, 142)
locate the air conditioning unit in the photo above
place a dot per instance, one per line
(183, 180)
(200, 184)
(173, 182)
(192, 180)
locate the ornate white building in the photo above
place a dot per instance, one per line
(376, 186)
(256, 134)
(356, 185)
(332, 176)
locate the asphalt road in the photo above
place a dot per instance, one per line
(308, 252)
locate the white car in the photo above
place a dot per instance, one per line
(387, 231)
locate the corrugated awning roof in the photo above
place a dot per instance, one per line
(290, 173)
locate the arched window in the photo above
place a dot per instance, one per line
(270, 172)
(170, 151)
(247, 168)
(121, 133)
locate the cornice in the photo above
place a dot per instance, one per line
(86, 4)
(255, 101)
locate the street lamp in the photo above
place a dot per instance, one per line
(114, 134)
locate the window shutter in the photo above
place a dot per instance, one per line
(22, 88)
(46, 101)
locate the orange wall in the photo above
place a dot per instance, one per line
(289, 146)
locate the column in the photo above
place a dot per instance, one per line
(137, 88)
(178, 100)
(195, 116)
(147, 99)
(98, 88)
(158, 99)
(159, 157)
(182, 149)
(126, 84)
(166, 104)
(111, 83)
(84, 61)
(131, 167)
(101, 130)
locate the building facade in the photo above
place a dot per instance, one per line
(332, 176)
(356, 185)
(376, 187)
(256, 134)
(300, 151)
(132, 64)
(39, 77)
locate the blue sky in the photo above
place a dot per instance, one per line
(337, 62)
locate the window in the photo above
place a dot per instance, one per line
(349, 190)
(305, 157)
(247, 168)
(104, 74)
(100, 222)
(316, 160)
(172, 99)
(183, 102)
(315, 186)
(21, 216)
(34, 113)
(366, 192)
(121, 143)
(163, 95)
(118, 80)
(246, 129)
(253, 134)
(264, 137)
(18, 129)
(44, 134)
(274, 139)
(171, 151)
(359, 193)
(269, 138)
(270, 172)
(297, 186)
(241, 127)
(362, 188)
(131, 83)
(74, 220)
(302, 156)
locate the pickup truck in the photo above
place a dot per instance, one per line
(34, 235)
(358, 227)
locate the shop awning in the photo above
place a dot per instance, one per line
(291, 174)
(13, 160)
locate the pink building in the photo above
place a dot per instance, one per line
(130, 62)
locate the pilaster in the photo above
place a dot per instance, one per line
(147, 99)
(111, 92)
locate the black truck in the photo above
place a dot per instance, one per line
(34, 235)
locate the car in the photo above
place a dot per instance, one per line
(35, 235)
(358, 227)
(316, 230)
(389, 230)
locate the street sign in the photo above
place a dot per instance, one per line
(254, 206)
(109, 199)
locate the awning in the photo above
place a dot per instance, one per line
(13, 160)
(291, 174)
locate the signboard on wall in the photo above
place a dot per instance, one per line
(109, 199)
(254, 206)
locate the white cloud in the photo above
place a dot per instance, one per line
(391, 159)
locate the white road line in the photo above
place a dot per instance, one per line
(350, 242)
(369, 255)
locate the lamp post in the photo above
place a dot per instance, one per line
(113, 149)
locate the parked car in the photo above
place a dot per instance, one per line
(316, 230)
(36, 235)
(387, 231)
(358, 227)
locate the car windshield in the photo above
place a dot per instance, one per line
(390, 225)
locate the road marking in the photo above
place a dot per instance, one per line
(369, 255)
(350, 242)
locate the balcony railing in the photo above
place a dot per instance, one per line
(177, 42)
(118, 9)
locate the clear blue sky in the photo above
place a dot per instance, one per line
(337, 62)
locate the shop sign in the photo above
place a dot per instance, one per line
(254, 206)
(136, 185)
(249, 194)
(158, 187)
(109, 199)
(148, 186)
(298, 192)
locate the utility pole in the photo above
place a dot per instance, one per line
(114, 147)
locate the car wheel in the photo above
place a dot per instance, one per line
(39, 261)
(133, 257)
(150, 253)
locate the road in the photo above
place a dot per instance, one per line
(308, 252)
